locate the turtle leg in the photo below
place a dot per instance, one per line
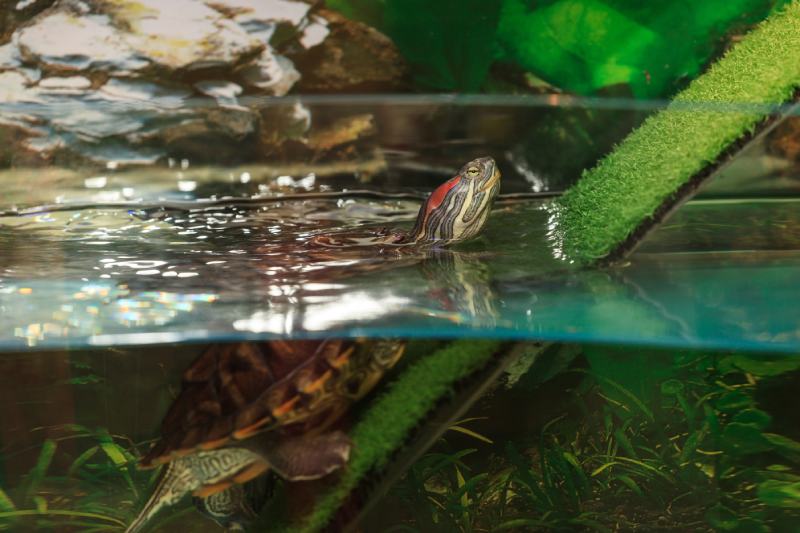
(201, 472)
(235, 507)
(308, 457)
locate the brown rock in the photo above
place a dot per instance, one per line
(343, 131)
(784, 140)
(16, 148)
(352, 58)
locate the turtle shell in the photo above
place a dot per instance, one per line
(234, 391)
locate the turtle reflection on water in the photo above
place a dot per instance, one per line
(248, 408)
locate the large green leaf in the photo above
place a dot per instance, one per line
(780, 494)
(587, 45)
(449, 44)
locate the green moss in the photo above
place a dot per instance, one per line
(386, 423)
(627, 188)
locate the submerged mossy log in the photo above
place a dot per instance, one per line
(384, 426)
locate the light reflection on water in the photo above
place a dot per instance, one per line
(117, 275)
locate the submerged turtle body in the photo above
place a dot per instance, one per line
(248, 408)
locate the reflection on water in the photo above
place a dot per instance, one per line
(114, 276)
(161, 266)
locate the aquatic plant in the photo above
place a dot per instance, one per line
(699, 441)
(97, 492)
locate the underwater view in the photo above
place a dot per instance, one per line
(403, 266)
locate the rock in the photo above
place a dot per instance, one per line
(9, 56)
(143, 94)
(18, 146)
(210, 135)
(315, 32)
(65, 85)
(342, 132)
(13, 13)
(13, 87)
(111, 80)
(249, 12)
(283, 128)
(224, 92)
(63, 40)
(784, 140)
(180, 34)
(236, 123)
(353, 57)
(270, 73)
(126, 36)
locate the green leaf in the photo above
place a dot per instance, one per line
(691, 444)
(38, 472)
(471, 433)
(733, 401)
(64, 513)
(522, 523)
(603, 467)
(630, 483)
(624, 443)
(785, 495)
(744, 439)
(757, 417)
(586, 45)
(722, 518)
(5, 502)
(752, 525)
(40, 504)
(449, 44)
(763, 366)
(784, 445)
(81, 460)
(625, 395)
(671, 387)
(120, 459)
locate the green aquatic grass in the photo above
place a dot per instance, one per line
(699, 434)
(612, 202)
(387, 423)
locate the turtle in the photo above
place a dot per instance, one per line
(249, 408)
(455, 211)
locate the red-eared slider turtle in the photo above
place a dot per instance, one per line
(248, 408)
(456, 211)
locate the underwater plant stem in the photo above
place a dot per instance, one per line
(61, 512)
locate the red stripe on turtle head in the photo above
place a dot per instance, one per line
(437, 197)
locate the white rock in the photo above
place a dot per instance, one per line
(314, 33)
(13, 87)
(245, 11)
(68, 84)
(224, 92)
(180, 34)
(9, 56)
(64, 40)
(143, 92)
(271, 73)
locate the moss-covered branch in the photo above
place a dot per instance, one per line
(386, 423)
(661, 162)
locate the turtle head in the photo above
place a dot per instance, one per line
(458, 209)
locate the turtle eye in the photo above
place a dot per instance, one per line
(473, 172)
